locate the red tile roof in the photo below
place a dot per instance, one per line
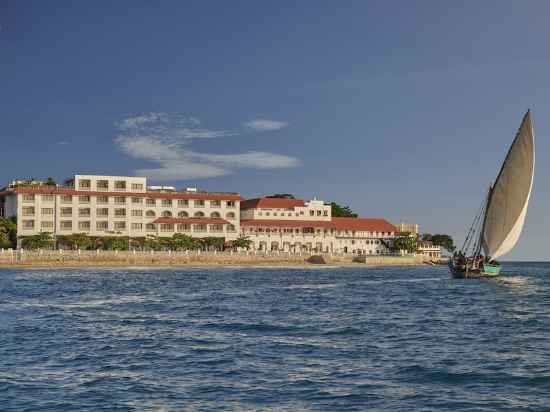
(363, 224)
(192, 220)
(158, 195)
(271, 203)
(287, 223)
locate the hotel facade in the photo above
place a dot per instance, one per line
(126, 206)
(119, 206)
(294, 225)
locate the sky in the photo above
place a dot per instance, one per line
(402, 110)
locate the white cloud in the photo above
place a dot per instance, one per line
(63, 142)
(264, 125)
(164, 139)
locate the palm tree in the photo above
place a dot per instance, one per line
(8, 232)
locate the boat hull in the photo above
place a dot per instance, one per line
(461, 272)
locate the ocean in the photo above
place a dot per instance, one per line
(360, 338)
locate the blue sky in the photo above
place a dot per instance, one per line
(402, 110)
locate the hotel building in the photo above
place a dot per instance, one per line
(294, 225)
(119, 206)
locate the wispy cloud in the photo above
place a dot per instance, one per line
(63, 142)
(165, 139)
(264, 125)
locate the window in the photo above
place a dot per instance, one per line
(199, 203)
(120, 212)
(28, 224)
(102, 225)
(66, 225)
(150, 227)
(150, 213)
(325, 213)
(66, 211)
(230, 215)
(47, 211)
(216, 228)
(150, 202)
(66, 199)
(166, 213)
(260, 213)
(102, 199)
(137, 226)
(28, 210)
(267, 213)
(28, 198)
(198, 214)
(137, 186)
(215, 203)
(84, 225)
(120, 225)
(120, 186)
(102, 212)
(102, 185)
(199, 228)
(46, 225)
(84, 183)
(183, 203)
(83, 199)
(183, 214)
(230, 203)
(230, 228)
(47, 198)
(215, 215)
(137, 200)
(184, 228)
(312, 212)
(166, 227)
(120, 200)
(319, 213)
(84, 212)
(137, 213)
(166, 202)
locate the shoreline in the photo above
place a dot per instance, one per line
(267, 265)
(42, 259)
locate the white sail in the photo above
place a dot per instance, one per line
(507, 205)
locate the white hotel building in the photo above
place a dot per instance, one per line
(126, 206)
(119, 206)
(293, 225)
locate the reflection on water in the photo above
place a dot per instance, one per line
(274, 339)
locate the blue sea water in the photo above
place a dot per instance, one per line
(357, 338)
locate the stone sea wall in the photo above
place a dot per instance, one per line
(73, 258)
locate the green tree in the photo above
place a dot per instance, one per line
(444, 241)
(211, 243)
(80, 241)
(152, 242)
(43, 240)
(116, 243)
(407, 243)
(243, 242)
(183, 242)
(426, 237)
(341, 211)
(8, 232)
(50, 182)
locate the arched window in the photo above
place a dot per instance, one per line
(150, 213)
(183, 214)
(230, 215)
(215, 215)
(166, 213)
(198, 214)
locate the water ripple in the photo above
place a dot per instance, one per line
(281, 339)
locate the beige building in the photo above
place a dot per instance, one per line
(411, 228)
(119, 206)
(427, 249)
(294, 225)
